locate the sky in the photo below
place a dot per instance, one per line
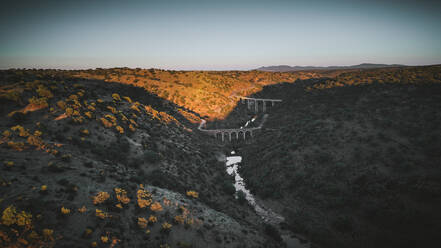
(217, 35)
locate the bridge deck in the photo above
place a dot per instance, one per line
(260, 99)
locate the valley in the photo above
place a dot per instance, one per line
(121, 158)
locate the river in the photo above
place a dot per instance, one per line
(268, 216)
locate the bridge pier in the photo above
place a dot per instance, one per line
(256, 106)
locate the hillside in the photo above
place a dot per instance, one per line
(113, 158)
(210, 94)
(88, 163)
(287, 68)
(354, 161)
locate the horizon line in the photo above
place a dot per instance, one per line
(232, 69)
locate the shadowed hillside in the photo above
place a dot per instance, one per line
(354, 161)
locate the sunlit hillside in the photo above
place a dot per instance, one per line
(209, 93)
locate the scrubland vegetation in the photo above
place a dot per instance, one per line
(113, 158)
(80, 160)
(354, 161)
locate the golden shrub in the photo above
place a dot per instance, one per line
(85, 132)
(133, 122)
(144, 197)
(69, 111)
(101, 214)
(142, 222)
(47, 234)
(112, 109)
(127, 99)
(106, 123)
(8, 163)
(19, 146)
(44, 92)
(100, 197)
(123, 117)
(9, 216)
(179, 219)
(166, 226)
(156, 207)
(61, 104)
(22, 131)
(6, 133)
(121, 195)
(38, 102)
(88, 114)
(104, 239)
(88, 232)
(116, 97)
(43, 188)
(120, 129)
(91, 108)
(112, 118)
(193, 194)
(132, 128)
(35, 141)
(65, 210)
(153, 219)
(134, 107)
(73, 97)
(24, 219)
(83, 209)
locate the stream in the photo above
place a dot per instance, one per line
(268, 216)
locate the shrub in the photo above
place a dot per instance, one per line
(228, 187)
(193, 194)
(116, 97)
(144, 197)
(156, 207)
(271, 231)
(151, 156)
(100, 197)
(241, 197)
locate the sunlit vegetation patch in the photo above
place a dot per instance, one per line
(412, 75)
(17, 229)
(208, 93)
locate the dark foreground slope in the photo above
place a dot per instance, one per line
(353, 164)
(91, 163)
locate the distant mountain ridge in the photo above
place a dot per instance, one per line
(285, 68)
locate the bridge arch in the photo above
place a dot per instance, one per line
(248, 135)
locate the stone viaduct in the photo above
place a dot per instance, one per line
(243, 131)
(255, 101)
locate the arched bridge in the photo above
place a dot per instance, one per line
(229, 133)
(255, 101)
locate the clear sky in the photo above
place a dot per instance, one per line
(219, 35)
